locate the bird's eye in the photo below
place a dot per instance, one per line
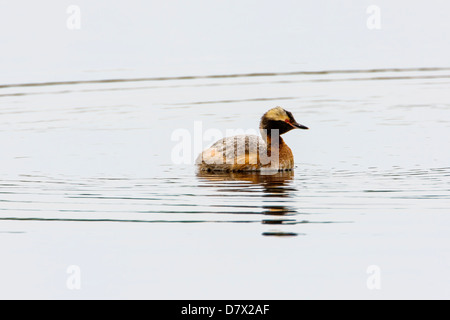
(287, 121)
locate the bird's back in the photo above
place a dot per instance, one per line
(236, 153)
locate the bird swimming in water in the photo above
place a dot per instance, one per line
(243, 153)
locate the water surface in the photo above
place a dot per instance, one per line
(87, 179)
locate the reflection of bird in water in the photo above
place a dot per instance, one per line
(273, 179)
(277, 185)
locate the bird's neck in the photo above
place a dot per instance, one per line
(272, 138)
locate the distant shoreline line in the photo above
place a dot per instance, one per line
(224, 76)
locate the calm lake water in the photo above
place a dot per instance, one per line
(89, 180)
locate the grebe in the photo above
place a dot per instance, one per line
(253, 153)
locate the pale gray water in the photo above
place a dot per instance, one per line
(88, 177)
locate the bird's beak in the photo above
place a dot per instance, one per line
(299, 126)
